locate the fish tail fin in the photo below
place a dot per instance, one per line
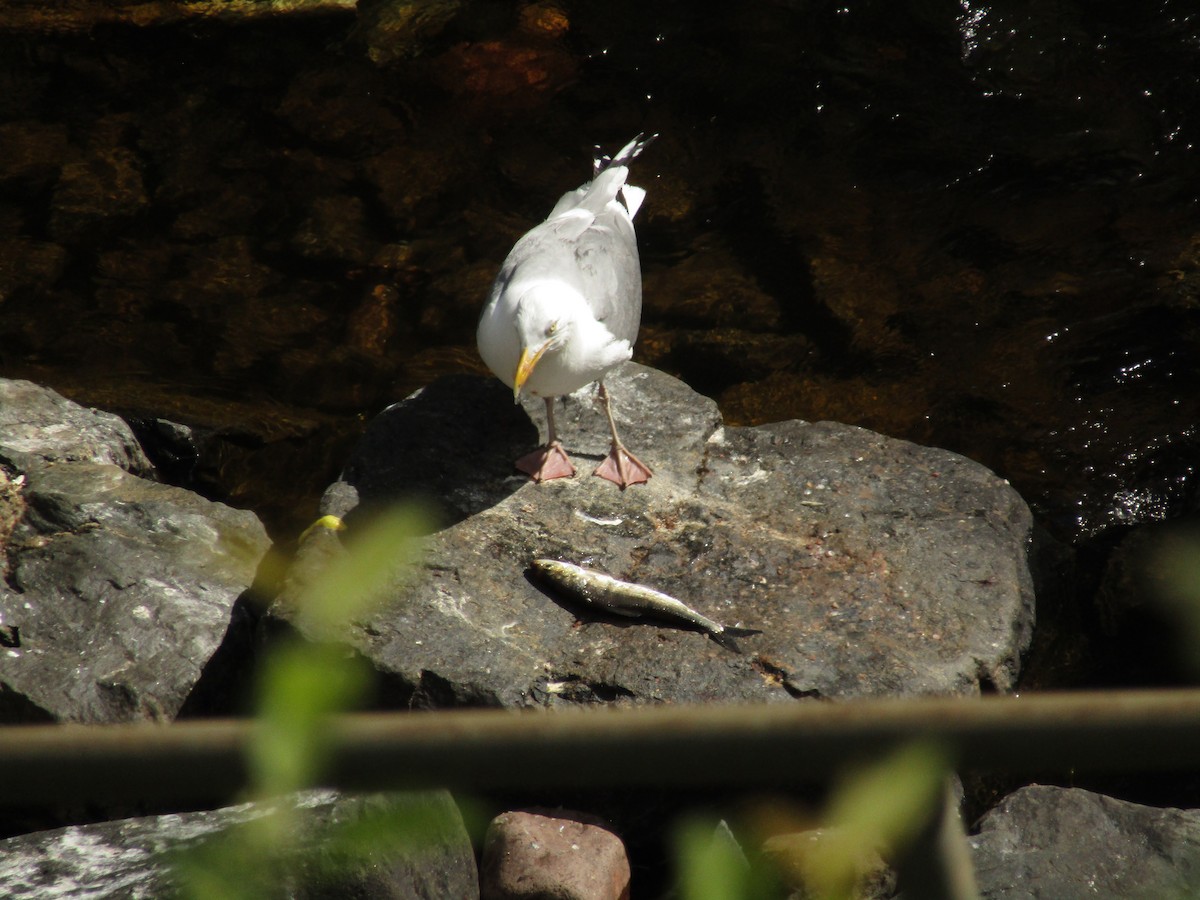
(742, 632)
(725, 639)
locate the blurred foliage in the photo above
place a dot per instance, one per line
(873, 815)
(1172, 573)
(712, 866)
(301, 685)
(878, 809)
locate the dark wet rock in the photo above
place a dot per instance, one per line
(226, 207)
(394, 30)
(32, 153)
(228, 267)
(28, 264)
(335, 229)
(118, 589)
(534, 855)
(345, 106)
(133, 857)
(410, 176)
(716, 291)
(1051, 842)
(872, 566)
(502, 75)
(723, 357)
(96, 194)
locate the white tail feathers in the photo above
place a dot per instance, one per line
(633, 197)
(576, 209)
(625, 155)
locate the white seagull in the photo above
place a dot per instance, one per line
(566, 306)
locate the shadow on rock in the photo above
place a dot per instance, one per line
(450, 445)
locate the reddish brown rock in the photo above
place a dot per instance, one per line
(567, 856)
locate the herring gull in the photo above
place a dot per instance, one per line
(566, 306)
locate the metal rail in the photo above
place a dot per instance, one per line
(743, 746)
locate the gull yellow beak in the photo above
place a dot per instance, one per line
(525, 368)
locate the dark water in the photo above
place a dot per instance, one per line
(974, 226)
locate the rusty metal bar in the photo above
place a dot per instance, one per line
(743, 746)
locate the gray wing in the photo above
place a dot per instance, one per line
(591, 245)
(611, 274)
(600, 261)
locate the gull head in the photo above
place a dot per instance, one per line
(545, 320)
(557, 344)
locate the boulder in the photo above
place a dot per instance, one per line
(1053, 842)
(871, 566)
(532, 855)
(135, 857)
(118, 589)
(38, 424)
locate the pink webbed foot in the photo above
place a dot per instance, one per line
(547, 462)
(622, 468)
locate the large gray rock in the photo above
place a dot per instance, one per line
(38, 424)
(133, 858)
(118, 589)
(1053, 843)
(872, 566)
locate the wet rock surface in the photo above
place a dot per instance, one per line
(1051, 842)
(133, 857)
(117, 589)
(871, 566)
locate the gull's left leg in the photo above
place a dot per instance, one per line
(620, 467)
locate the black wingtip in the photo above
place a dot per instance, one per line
(634, 148)
(625, 155)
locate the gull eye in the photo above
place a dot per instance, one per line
(552, 328)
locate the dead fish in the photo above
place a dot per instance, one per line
(628, 599)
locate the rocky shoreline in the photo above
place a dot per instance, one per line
(873, 567)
